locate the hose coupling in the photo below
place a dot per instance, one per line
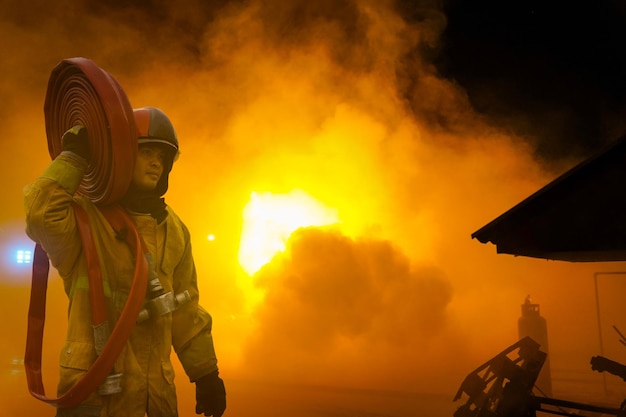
(163, 304)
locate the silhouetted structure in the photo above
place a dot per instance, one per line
(532, 324)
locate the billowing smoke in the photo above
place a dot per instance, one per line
(331, 302)
(338, 99)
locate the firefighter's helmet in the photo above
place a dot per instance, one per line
(153, 126)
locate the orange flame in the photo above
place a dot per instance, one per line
(269, 220)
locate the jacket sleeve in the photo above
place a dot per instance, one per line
(191, 324)
(50, 219)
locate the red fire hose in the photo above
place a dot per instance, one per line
(79, 92)
(101, 368)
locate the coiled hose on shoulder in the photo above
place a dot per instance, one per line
(79, 92)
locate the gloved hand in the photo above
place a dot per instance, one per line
(76, 140)
(210, 395)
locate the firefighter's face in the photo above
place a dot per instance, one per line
(148, 166)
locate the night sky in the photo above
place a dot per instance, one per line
(553, 71)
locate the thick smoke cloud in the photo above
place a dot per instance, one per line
(329, 298)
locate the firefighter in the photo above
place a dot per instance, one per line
(146, 385)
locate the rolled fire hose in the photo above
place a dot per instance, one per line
(79, 92)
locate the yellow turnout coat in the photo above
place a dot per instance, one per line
(147, 374)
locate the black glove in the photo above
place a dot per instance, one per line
(76, 140)
(210, 395)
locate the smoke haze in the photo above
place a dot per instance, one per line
(343, 101)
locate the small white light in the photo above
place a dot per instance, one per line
(211, 237)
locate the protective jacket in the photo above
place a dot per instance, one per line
(147, 373)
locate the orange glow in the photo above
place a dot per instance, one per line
(341, 108)
(269, 220)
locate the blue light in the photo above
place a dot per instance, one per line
(16, 254)
(23, 256)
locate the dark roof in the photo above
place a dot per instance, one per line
(579, 217)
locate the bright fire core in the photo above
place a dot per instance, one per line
(268, 221)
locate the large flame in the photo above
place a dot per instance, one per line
(269, 220)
